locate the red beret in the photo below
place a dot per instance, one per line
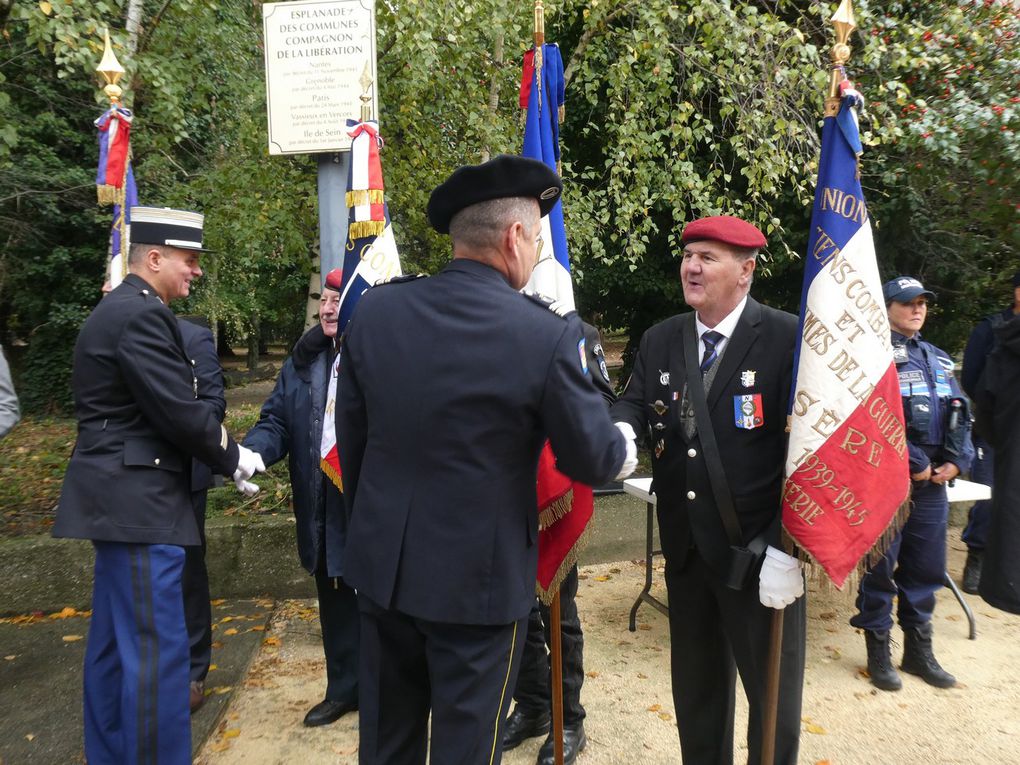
(334, 280)
(725, 229)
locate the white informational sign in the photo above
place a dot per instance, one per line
(318, 53)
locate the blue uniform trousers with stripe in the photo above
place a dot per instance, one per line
(464, 674)
(136, 660)
(913, 568)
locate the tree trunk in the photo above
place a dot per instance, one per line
(133, 25)
(497, 65)
(314, 288)
(253, 343)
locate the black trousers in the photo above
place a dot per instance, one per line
(716, 632)
(461, 673)
(341, 634)
(195, 585)
(533, 692)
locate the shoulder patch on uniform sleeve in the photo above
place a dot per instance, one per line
(557, 307)
(946, 362)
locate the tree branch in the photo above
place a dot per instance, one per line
(587, 37)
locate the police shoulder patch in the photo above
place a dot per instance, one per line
(557, 307)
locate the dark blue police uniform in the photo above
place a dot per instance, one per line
(449, 387)
(913, 567)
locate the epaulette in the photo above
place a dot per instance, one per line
(402, 279)
(556, 306)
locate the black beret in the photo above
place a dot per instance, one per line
(500, 177)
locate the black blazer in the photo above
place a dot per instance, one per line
(139, 425)
(448, 388)
(762, 344)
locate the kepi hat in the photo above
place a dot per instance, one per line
(167, 227)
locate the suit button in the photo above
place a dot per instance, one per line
(691, 495)
(692, 452)
(156, 461)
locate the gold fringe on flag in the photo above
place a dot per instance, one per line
(870, 558)
(359, 229)
(106, 194)
(556, 510)
(364, 197)
(569, 561)
(334, 476)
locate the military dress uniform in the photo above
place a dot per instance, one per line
(913, 568)
(128, 489)
(716, 629)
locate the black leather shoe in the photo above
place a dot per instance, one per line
(523, 724)
(326, 712)
(573, 742)
(196, 695)
(972, 571)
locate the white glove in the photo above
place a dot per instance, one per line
(781, 581)
(248, 464)
(247, 488)
(630, 444)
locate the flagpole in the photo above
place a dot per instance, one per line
(555, 628)
(843, 21)
(111, 71)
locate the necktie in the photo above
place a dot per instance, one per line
(711, 340)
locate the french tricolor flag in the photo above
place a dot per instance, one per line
(544, 102)
(847, 475)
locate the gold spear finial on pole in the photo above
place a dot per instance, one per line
(366, 94)
(844, 22)
(539, 24)
(111, 70)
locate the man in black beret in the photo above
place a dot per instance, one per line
(439, 467)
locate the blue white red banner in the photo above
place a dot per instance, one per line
(370, 258)
(846, 470)
(542, 94)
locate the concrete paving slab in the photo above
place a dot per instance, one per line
(40, 679)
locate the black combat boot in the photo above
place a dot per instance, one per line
(919, 660)
(880, 667)
(972, 571)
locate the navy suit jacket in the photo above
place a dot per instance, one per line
(139, 424)
(448, 388)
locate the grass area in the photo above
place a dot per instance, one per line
(33, 458)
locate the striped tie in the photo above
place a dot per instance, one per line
(711, 340)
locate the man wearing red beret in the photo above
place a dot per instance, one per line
(710, 387)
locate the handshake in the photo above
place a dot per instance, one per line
(248, 464)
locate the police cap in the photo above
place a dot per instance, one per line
(726, 229)
(903, 289)
(500, 177)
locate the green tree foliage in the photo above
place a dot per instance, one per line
(675, 109)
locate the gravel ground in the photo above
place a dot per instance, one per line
(627, 693)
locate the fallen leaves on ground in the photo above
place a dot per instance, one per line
(592, 673)
(71, 638)
(231, 733)
(29, 736)
(655, 707)
(603, 578)
(231, 631)
(812, 727)
(271, 641)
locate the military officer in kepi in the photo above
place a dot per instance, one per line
(128, 489)
(939, 446)
(439, 467)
